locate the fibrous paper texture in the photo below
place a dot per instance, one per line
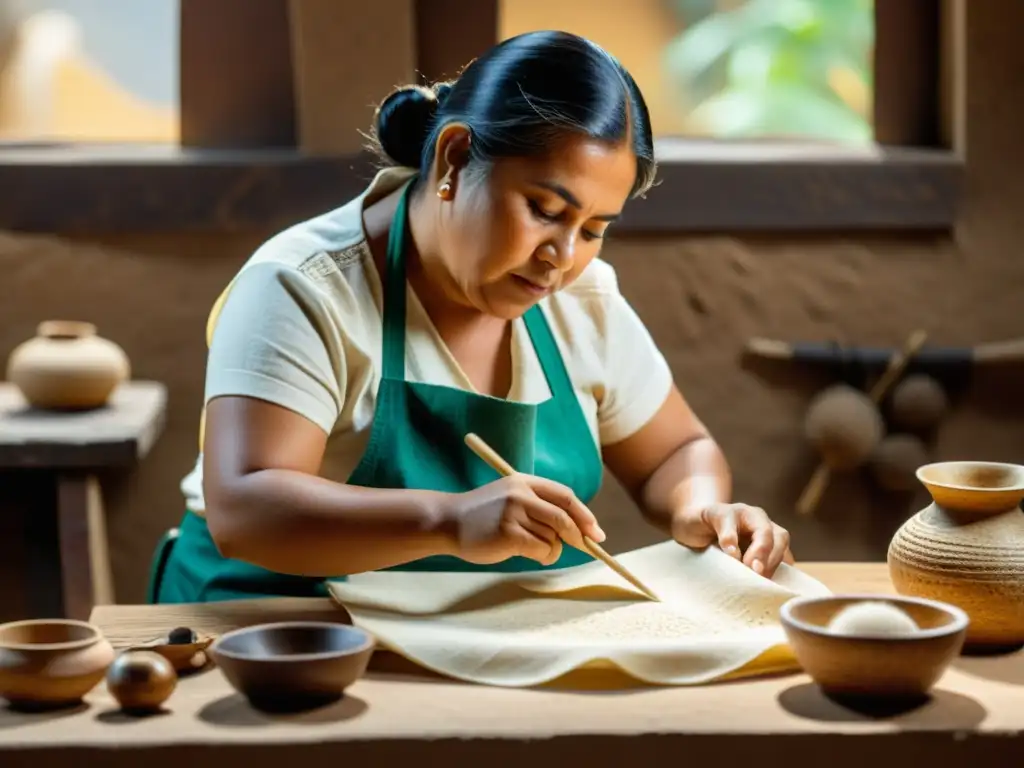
(716, 619)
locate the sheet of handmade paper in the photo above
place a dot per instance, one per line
(716, 618)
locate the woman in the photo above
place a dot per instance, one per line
(460, 293)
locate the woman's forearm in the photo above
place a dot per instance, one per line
(695, 476)
(299, 524)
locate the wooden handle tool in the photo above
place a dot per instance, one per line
(935, 358)
(502, 467)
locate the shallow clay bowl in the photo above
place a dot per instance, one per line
(874, 666)
(184, 657)
(293, 666)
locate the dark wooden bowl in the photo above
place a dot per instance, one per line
(869, 666)
(293, 666)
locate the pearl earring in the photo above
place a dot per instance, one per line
(444, 191)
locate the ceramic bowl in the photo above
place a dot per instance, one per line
(292, 666)
(874, 666)
(48, 663)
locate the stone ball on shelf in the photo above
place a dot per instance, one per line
(917, 403)
(895, 461)
(844, 424)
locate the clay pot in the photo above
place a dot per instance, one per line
(48, 663)
(67, 367)
(967, 549)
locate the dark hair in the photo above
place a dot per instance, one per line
(516, 99)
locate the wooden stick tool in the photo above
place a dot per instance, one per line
(502, 467)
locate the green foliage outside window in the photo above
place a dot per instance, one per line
(775, 68)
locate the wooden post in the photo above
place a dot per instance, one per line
(236, 74)
(906, 82)
(451, 33)
(348, 57)
(953, 63)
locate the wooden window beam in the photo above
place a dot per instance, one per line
(243, 164)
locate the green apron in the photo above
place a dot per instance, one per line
(416, 441)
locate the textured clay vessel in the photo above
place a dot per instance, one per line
(47, 663)
(67, 367)
(967, 549)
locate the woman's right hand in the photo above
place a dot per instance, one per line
(521, 515)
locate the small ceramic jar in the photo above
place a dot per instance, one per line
(66, 366)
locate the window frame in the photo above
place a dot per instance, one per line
(241, 167)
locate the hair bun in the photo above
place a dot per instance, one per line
(441, 91)
(404, 120)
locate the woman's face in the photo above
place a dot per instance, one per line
(530, 226)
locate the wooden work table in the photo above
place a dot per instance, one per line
(975, 718)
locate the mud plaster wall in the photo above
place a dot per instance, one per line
(701, 297)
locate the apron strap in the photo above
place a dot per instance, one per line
(550, 358)
(393, 346)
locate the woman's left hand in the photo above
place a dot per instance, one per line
(745, 532)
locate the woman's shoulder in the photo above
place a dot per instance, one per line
(317, 246)
(330, 243)
(317, 267)
(584, 312)
(598, 280)
(594, 312)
